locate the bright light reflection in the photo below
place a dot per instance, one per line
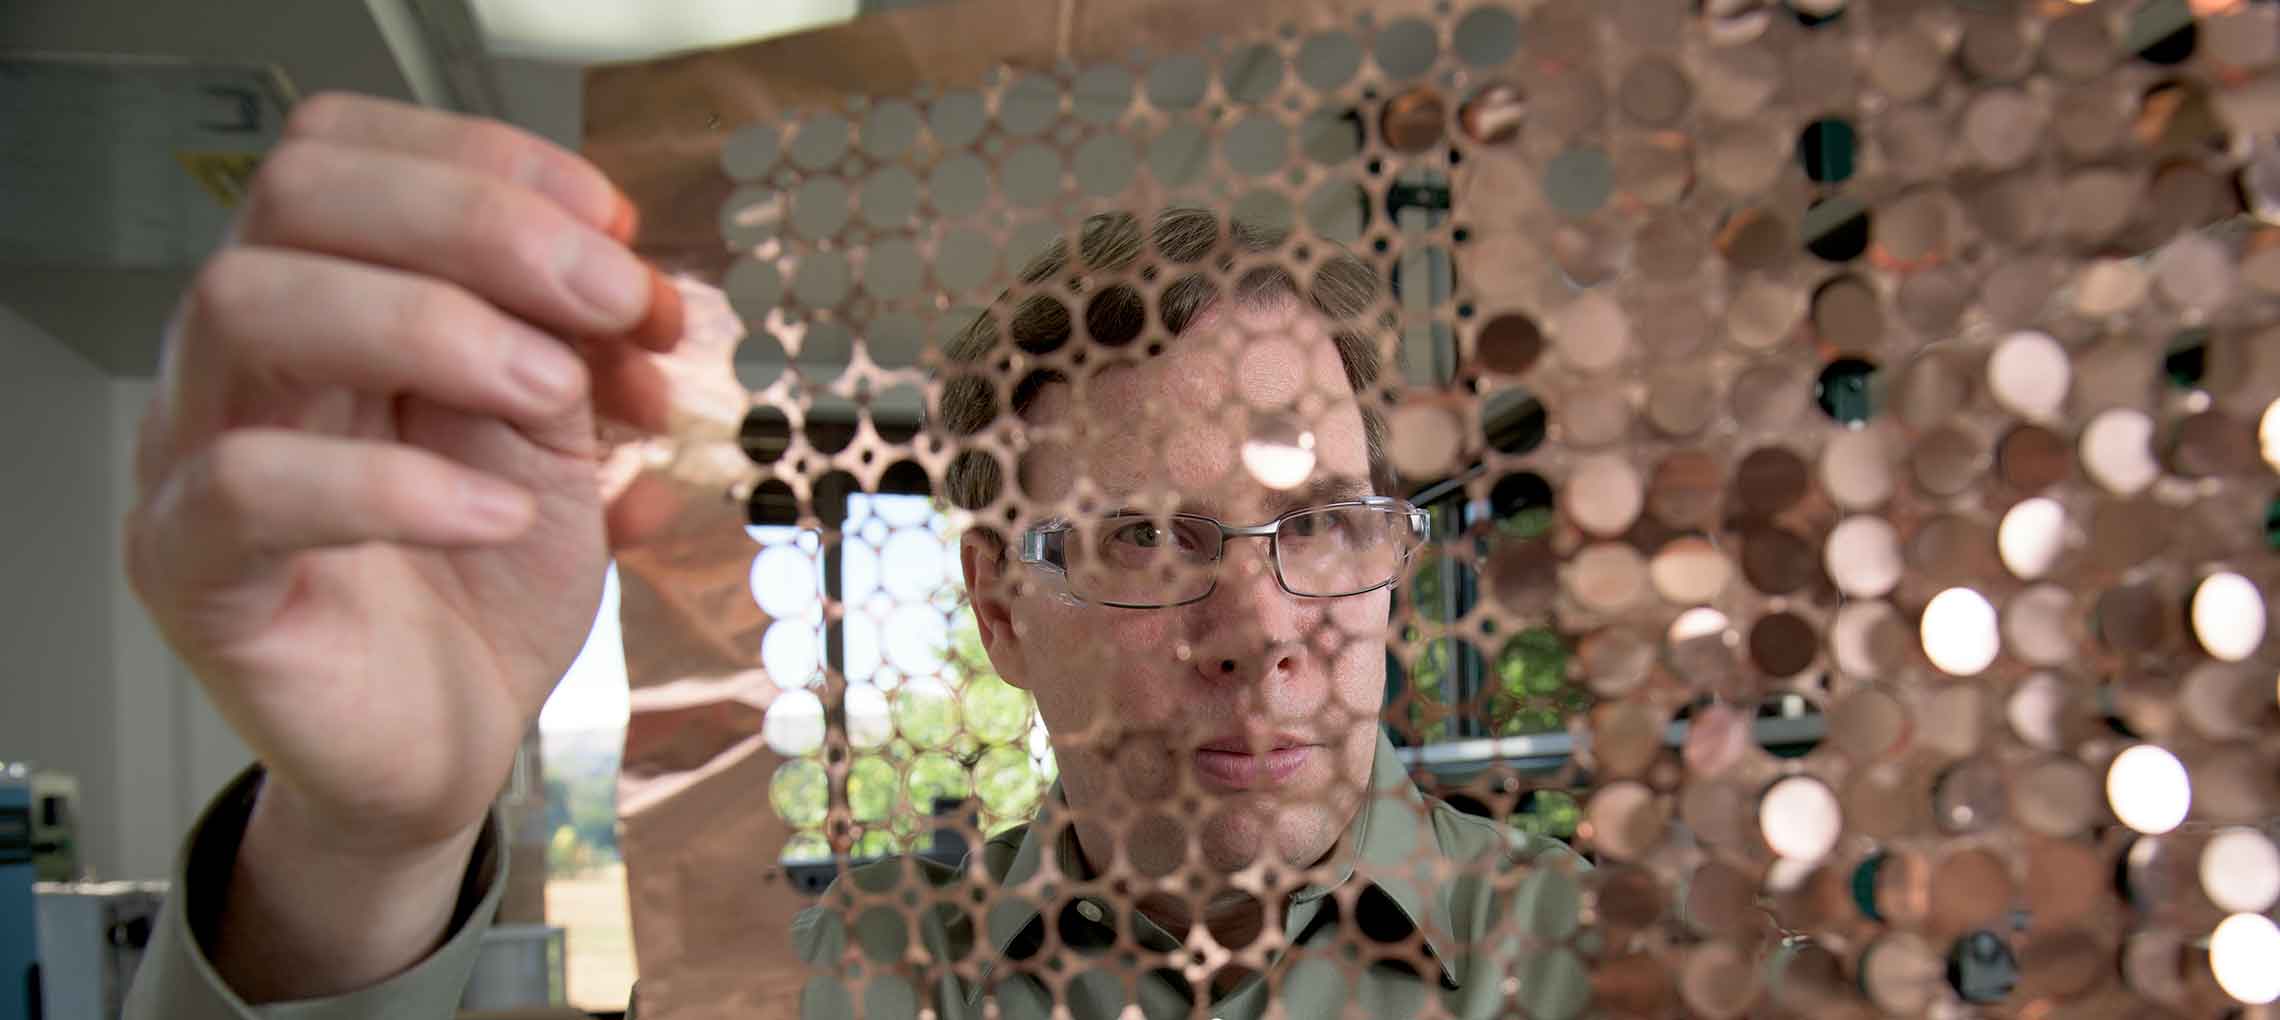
(2240, 870)
(1701, 621)
(2268, 434)
(2241, 952)
(1280, 461)
(1800, 818)
(2148, 789)
(2030, 536)
(2117, 450)
(2228, 616)
(1959, 632)
(868, 724)
(2028, 373)
(793, 725)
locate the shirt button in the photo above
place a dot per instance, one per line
(1089, 911)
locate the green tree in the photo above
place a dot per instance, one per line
(965, 736)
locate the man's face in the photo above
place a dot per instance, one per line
(1241, 725)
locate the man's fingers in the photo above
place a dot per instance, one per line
(642, 511)
(257, 495)
(485, 147)
(628, 386)
(265, 315)
(505, 243)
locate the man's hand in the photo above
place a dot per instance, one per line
(367, 514)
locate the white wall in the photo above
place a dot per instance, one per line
(175, 749)
(57, 691)
(86, 686)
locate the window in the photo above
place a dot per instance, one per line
(933, 729)
(936, 733)
(582, 729)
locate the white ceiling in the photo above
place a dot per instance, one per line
(436, 52)
(519, 60)
(113, 315)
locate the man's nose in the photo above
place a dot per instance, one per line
(1250, 626)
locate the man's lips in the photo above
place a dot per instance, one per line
(1241, 770)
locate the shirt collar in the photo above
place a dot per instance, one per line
(1390, 844)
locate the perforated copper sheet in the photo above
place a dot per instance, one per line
(1867, 411)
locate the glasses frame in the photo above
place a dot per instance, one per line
(1036, 546)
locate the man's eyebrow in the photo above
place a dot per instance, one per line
(1326, 489)
(1321, 489)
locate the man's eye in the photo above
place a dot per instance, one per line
(1145, 534)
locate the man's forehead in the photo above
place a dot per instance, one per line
(1250, 405)
(1266, 355)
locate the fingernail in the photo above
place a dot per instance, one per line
(608, 278)
(547, 375)
(626, 224)
(661, 328)
(495, 508)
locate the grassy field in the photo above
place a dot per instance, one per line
(591, 908)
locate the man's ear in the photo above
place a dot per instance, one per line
(983, 558)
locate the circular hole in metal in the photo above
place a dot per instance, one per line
(1327, 59)
(1826, 149)
(1178, 82)
(820, 207)
(964, 260)
(751, 152)
(1257, 145)
(1179, 154)
(1252, 74)
(958, 185)
(1031, 175)
(1029, 105)
(1836, 229)
(1846, 390)
(1105, 164)
(1513, 421)
(1579, 181)
(820, 141)
(957, 119)
(1486, 36)
(1331, 137)
(1494, 113)
(822, 279)
(889, 197)
(1339, 211)
(1405, 49)
(893, 270)
(1101, 94)
(890, 128)
(2162, 32)
(1521, 503)
(1412, 121)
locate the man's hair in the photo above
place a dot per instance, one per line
(1193, 254)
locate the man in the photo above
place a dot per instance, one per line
(368, 523)
(1206, 643)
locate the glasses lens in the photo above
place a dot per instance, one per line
(1137, 560)
(1341, 550)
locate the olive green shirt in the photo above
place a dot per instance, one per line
(1486, 902)
(1408, 870)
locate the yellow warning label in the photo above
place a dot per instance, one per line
(225, 175)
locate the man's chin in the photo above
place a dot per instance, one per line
(1251, 827)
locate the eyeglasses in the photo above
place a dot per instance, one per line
(1139, 561)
